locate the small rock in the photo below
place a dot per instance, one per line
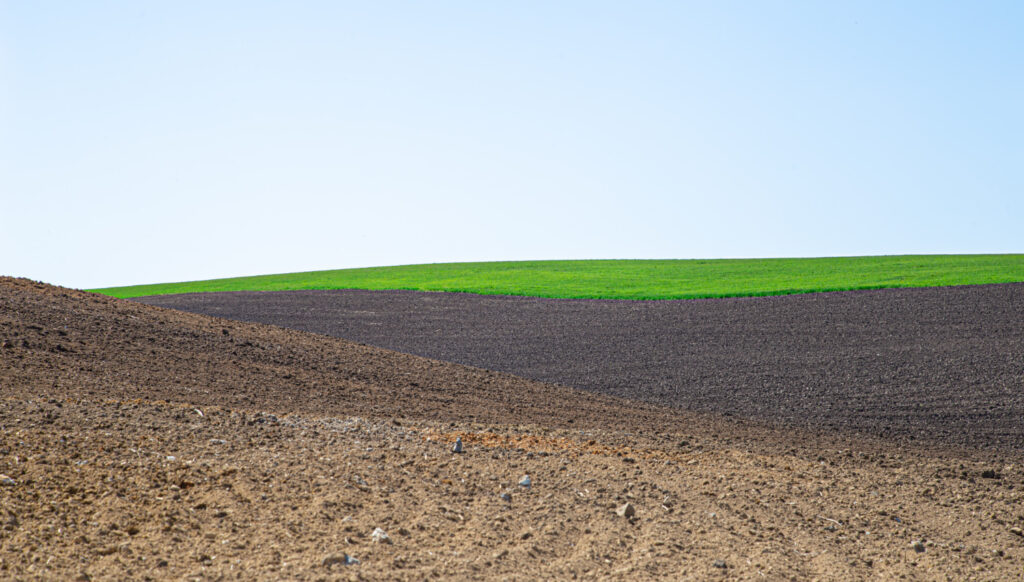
(1017, 531)
(525, 481)
(918, 546)
(720, 564)
(626, 511)
(218, 442)
(343, 559)
(990, 474)
(161, 564)
(457, 447)
(199, 412)
(506, 497)
(380, 536)
(5, 480)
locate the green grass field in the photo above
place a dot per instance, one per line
(633, 279)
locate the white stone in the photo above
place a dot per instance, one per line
(380, 536)
(626, 511)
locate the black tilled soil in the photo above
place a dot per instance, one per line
(941, 364)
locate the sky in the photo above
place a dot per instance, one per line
(145, 142)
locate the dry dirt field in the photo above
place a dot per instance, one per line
(143, 443)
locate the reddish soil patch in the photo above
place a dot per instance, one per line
(943, 365)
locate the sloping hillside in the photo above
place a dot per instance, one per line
(142, 443)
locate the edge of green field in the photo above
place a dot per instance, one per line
(632, 279)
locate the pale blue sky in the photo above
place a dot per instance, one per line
(164, 141)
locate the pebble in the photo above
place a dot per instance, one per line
(380, 536)
(720, 564)
(5, 480)
(918, 546)
(626, 511)
(525, 481)
(218, 442)
(344, 559)
(457, 447)
(1017, 531)
(506, 497)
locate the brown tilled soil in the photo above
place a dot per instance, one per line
(939, 364)
(143, 443)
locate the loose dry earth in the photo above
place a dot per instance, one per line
(138, 442)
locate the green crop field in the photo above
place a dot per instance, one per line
(633, 279)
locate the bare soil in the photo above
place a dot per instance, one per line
(942, 365)
(144, 443)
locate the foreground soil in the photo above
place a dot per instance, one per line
(941, 364)
(143, 443)
(119, 490)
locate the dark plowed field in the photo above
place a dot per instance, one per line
(941, 364)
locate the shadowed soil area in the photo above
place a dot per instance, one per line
(144, 443)
(943, 365)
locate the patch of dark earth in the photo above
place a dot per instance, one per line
(942, 365)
